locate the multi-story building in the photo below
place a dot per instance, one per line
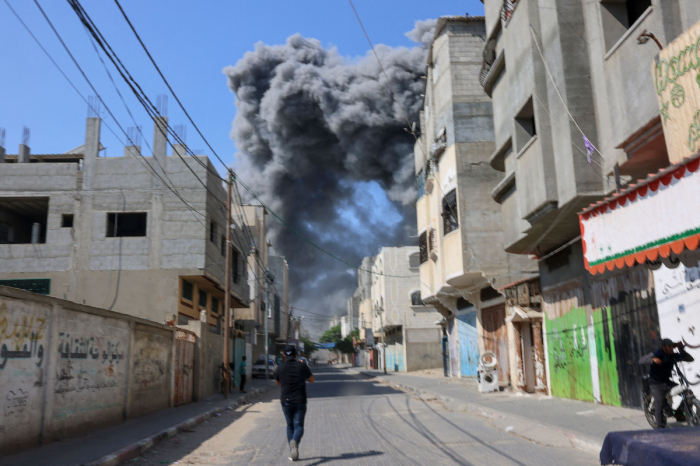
(278, 308)
(139, 235)
(399, 318)
(109, 233)
(461, 235)
(350, 321)
(250, 320)
(577, 116)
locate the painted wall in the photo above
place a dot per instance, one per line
(66, 369)
(468, 344)
(678, 302)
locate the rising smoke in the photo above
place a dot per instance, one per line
(312, 129)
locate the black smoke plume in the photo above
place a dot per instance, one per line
(311, 126)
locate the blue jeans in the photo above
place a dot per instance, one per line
(295, 413)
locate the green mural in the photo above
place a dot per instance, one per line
(607, 361)
(569, 357)
(569, 354)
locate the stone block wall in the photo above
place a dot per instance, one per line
(67, 369)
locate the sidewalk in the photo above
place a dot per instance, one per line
(113, 445)
(546, 420)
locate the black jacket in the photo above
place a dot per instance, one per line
(661, 373)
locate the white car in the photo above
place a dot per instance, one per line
(258, 368)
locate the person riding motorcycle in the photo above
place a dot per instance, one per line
(662, 363)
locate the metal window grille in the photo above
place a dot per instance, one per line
(423, 247)
(449, 212)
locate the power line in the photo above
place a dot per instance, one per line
(26, 27)
(166, 82)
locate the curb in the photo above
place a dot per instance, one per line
(578, 441)
(135, 449)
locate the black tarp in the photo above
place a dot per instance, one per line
(669, 447)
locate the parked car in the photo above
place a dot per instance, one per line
(258, 368)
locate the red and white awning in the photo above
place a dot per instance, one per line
(652, 219)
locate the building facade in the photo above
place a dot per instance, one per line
(107, 232)
(398, 318)
(461, 234)
(577, 118)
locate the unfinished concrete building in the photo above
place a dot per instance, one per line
(109, 233)
(461, 234)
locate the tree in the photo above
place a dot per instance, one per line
(332, 335)
(342, 345)
(309, 347)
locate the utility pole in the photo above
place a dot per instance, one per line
(381, 322)
(269, 280)
(227, 297)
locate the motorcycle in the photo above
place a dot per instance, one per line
(687, 411)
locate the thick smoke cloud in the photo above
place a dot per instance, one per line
(312, 128)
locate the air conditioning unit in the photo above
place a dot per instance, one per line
(488, 372)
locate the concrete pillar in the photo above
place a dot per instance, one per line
(540, 375)
(160, 147)
(2, 154)
(132, 151)
(179, 150)
(519, 356)
(92, 149)
(23, 155)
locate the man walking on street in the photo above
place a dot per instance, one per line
(242, 371)
(292, 377)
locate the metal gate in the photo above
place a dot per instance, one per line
(468, 344)
(184, 366)
(635, 323)
(496, 338)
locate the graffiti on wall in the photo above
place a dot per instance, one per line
(86, 362)
(677, 297)
(569, 358)
(150, 362)
(21, 337)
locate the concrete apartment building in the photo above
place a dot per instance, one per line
(461, 233)
(557, 71)
(278, 308)
(399, 318)
(250, 320)
(106, 232)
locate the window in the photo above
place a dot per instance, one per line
(235, 273)
(223, 245)
(617, 16)
(449, 212)
(23, 220)
(423, 247)
(203, 299)
(415, 299)
(463, 304)
(214, 305)
(67, 221)
(414, 260)
(187, 290)
(431, 241)
(525, 128)
(213, 228)
(488, 293)
(420, 183)
(120, 224)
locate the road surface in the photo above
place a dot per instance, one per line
(355, 421)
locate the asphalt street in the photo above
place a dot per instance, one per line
(355, 421)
